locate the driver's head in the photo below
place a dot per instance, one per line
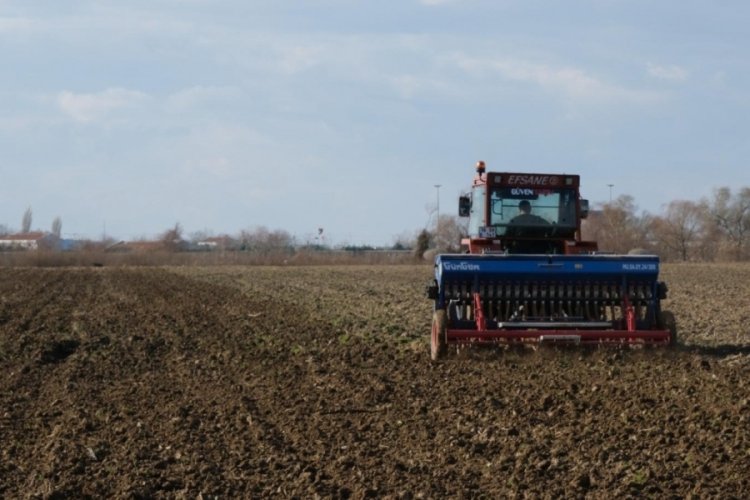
(524, 206)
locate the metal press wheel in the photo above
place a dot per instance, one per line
(438, 340)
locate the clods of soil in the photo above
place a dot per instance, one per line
(257, 382)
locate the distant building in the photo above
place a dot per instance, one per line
(216, 243)
(28, 241)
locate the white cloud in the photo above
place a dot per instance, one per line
(672, 73)
(194, 96)
(299, 58)
(220, 150)
(410, 86)
(571, 82)
(91, 107)
(17, 26)
(219, 166)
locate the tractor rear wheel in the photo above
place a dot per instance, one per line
(439, 341)
(668, 322)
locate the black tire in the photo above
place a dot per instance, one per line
(668, 322)
(438, 340)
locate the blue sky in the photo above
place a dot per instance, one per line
(226, 115)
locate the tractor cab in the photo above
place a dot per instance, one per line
(524, 214)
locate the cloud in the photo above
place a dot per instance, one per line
(221, 150)
(570, 82)
(299, 58)
(219, 166)
(20, 24)
(92, 107)
(194, 96)
(17, 26)
(672, 73)
(409, 86)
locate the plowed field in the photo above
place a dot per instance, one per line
(316, 381)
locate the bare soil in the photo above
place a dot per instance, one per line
(255, 382)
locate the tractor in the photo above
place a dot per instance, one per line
(528, 277)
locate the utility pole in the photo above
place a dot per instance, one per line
(437, 220)
(610, 192)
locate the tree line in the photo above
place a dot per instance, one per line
(711, 229)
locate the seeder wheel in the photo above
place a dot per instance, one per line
(438, 341)
(667, 321)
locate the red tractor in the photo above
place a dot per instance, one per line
(528, 276)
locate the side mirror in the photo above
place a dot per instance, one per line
(584, 209)
(464, 206)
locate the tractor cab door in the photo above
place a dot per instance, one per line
(477, 211)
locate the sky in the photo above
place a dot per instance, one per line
(124, 118)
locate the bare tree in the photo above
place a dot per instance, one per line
(201, 235)
(26, 221)
(449, 232)
(265, 241)
(731, 214)
(422, 244)
(171, 239)
(710, 242)
(57, 227)
(678, 232)
(404, 241)
(617, 227)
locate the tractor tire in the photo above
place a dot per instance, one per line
(438, 340)
(668, 322)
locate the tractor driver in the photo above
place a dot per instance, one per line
(526, 218)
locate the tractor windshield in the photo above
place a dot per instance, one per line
(512, 207)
